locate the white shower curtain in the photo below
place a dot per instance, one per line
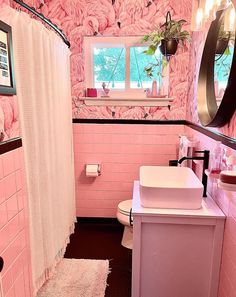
(43, 91)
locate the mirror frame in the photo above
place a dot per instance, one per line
(209, 113)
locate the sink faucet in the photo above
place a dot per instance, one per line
(205, 159)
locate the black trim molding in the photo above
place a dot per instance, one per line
(98, 220)
(226, 140)
(128, 122)
(10, 145)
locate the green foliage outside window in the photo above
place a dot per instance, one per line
(109, 67)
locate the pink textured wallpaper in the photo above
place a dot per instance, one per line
(80, 18)
(9, 118)
(198, 39)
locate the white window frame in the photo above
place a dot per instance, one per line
(122, 41)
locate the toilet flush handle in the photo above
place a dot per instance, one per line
(130, 217)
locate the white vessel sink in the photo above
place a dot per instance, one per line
(170, 187)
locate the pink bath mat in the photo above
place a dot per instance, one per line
(77, 278)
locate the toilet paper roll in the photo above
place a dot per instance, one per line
(92, 170)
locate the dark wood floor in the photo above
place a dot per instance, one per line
(100, 239)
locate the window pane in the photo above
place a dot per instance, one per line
(138, 61)
(109, 67)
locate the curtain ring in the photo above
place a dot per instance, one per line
(18, 8)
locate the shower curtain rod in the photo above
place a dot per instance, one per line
(46, 20)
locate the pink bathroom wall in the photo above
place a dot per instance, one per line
(14, 241)
(227, 202)
(121, 150)
(9, 118)
(80, 18)
(225, 199)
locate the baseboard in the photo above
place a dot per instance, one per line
(97, 220)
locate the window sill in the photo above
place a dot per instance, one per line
(136, 101)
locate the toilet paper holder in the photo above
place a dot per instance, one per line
(92, 170)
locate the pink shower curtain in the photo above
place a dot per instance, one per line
(43, 91)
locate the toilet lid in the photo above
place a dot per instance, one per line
(125, 206)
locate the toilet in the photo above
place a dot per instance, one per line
(124, 217)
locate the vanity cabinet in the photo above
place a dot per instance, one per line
(176, 253)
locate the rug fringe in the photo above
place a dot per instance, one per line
(48, 272)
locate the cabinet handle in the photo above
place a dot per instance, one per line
(1, 264)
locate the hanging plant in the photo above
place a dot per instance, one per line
(223, 40)
(167, 37)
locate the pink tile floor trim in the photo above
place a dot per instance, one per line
(14, 241)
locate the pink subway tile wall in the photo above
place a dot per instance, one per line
(121, 150)
(227, 202)
(14, 241)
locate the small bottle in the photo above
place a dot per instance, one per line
(216, 158)
(148, 92)
(154, 88)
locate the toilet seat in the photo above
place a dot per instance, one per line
(124, 216)
(124, 207)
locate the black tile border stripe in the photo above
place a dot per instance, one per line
(228, 141)
(10, 145)
(15, 143)
(128, 122)
(98, 220)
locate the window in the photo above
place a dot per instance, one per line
(120, 63)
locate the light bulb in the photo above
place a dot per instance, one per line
(199, 18)
(208, 6)
(232, 18)
(229, 22)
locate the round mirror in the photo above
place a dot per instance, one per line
(223, 57)
(216, 93)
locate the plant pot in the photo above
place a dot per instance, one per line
(221, 46)
(168, 47)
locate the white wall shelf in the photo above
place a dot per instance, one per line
(121, 101)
